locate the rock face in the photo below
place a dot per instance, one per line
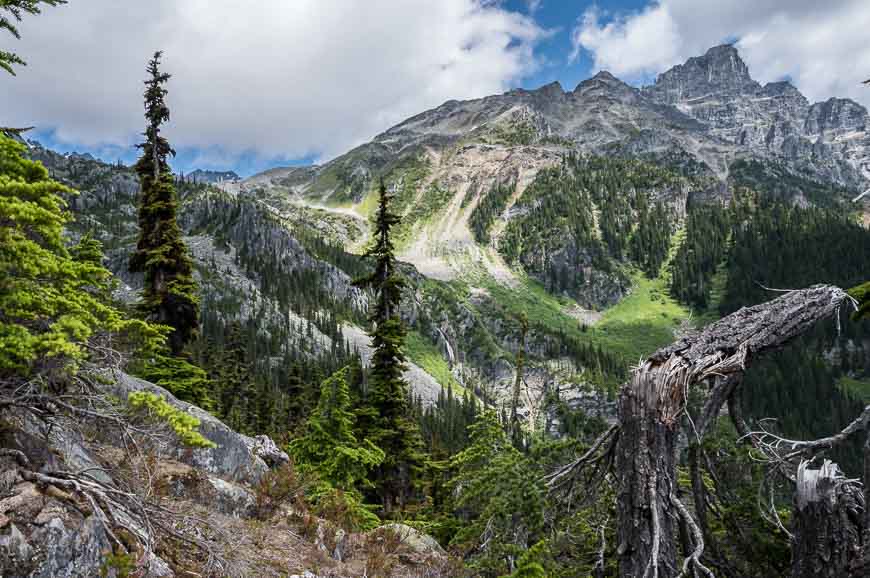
(828, 138)
(720, 69)
(236, 457)
(46, 531)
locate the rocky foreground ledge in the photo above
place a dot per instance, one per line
(180, 511)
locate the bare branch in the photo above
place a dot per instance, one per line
(653, 564)
(592, 455)
(18, 455)
(598, 569)
(775, 444)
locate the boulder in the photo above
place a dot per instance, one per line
(265, 448)
(416, 540)
(236, 457)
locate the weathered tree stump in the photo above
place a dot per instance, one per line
(828, 523)
(652, 404)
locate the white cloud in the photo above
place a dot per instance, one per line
(629, 45)
(821, 46)
(292, 78)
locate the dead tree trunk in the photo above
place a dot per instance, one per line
(652, 405)
(645, 462)
(828, 523)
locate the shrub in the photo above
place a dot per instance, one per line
(183, 424)
(277, 487)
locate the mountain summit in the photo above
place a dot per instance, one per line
(827, 139)
(708, 108)
(719, 70)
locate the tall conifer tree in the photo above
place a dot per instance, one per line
(386, 416)
(170, 295)
(329, 446)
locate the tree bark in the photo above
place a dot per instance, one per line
(651, 404)
(827, 524)
(646, 463)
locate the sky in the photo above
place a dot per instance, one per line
(260, 83)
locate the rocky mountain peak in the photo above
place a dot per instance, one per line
(723, 66)
(212, 177)
(551, 90)
(771, 120)
(603, 77)
(836, 114)
(781, 88)
(720, 69)
(605, 84)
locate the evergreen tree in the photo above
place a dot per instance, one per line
(233, 375)
(11, 12)
(528, 565)
(183, 379)
(499, 496)
(329, 446)
(52, 298)
(330, 451)
(170, 293)
(386, 416)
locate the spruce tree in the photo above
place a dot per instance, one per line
(329, 445)
(234, 376)
(331, 451)
(170, 293)
(498, 496)
(386, 414)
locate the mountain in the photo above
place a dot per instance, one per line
(491, 209)
(211, 177)
(826, 139)
(576, 231)
(589, 211)
(702, 116)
